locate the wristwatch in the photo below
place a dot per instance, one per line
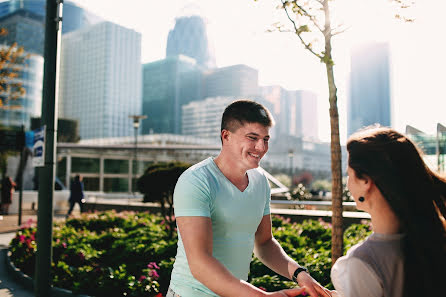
(297, 271)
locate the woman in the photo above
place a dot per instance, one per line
(8, 186)
(406, 253)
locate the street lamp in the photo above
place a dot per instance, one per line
(291, 156)
(136, 119)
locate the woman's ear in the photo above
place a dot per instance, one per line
(368, 182)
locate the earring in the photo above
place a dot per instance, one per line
(361, 199)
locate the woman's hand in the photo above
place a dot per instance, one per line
(289, 293)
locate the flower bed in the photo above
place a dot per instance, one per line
(132, 254)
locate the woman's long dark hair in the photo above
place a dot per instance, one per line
(416, 194)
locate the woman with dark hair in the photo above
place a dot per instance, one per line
(406, 253)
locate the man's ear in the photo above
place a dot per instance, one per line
(224, 135)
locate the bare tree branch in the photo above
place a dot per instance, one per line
(308, 15)
(339, 30)
(307, 46)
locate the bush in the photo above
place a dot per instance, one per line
(132, 254)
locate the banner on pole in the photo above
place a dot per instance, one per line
(39, 147)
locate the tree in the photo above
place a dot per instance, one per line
(67, 129)
(312, 24)
(158, 183)
(12, 59)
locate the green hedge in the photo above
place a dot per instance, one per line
(132, 254)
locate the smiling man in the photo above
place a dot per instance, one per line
(222, 207)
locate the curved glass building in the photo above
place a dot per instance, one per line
(74, 17)
(18, 112)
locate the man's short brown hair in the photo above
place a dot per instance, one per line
(245, 111)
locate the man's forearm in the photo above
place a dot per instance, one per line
(211, 273)
(272, 255)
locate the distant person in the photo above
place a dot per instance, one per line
(222, 209)
(406, 253)
(76, 194)
(8, 186)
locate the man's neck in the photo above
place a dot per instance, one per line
(234, 174)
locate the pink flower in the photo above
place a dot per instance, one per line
(141, 278)
(154, 274)
(152, 265)
(22, 238)
(64, 244)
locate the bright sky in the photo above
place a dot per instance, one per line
(238, 31)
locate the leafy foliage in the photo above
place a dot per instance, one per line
(12, 59)
(158, 183)
(132, 254)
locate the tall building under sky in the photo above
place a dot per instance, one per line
(100, 79)
(189, 37)
(167, 85)
(369, 101)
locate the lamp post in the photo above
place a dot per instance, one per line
(136, 119)
(291, 156)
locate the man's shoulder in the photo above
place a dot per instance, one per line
(201, 170)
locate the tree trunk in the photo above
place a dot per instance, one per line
(336, 157)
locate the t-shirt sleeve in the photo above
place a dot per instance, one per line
(267, 209)
(191, 197)
(353, 277)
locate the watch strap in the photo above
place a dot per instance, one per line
(297, 271)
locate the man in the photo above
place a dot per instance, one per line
(76, 194)
(223, 214)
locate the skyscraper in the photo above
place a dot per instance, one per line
(189, 37)
(25, 28)
(74, 17)
(295, 111)
(100, 79)
(167, 85)
(236, 80)
(369, 99)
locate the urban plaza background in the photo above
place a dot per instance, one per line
(148, 83)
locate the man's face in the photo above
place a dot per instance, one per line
(247, 145)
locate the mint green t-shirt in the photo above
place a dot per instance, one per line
(203, 190)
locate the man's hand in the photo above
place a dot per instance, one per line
(313, 288)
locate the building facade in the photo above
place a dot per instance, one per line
(203, 118)
(369, 101)
(189, 38)
(100, 79)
